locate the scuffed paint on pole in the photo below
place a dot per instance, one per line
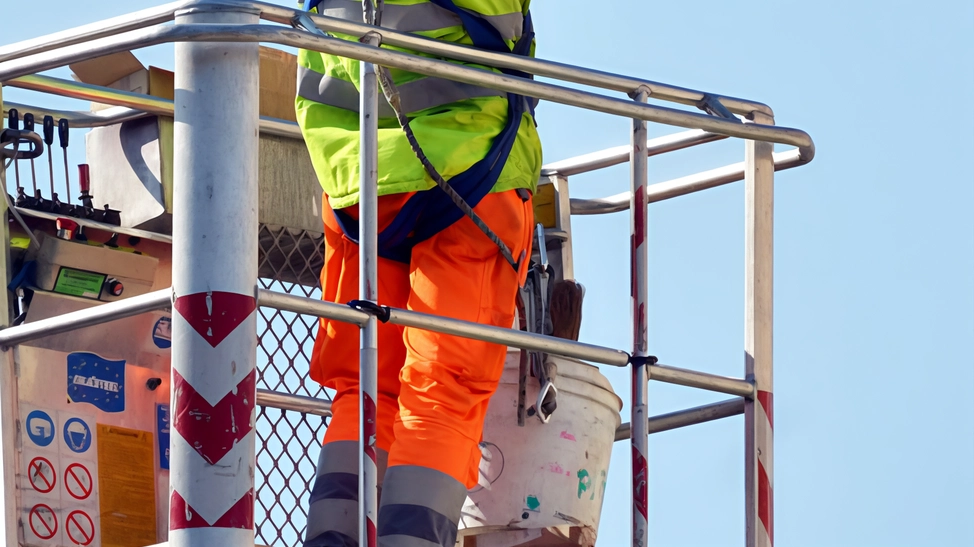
(758, 336)
(214, 286)
(640, 334)
(368, 281)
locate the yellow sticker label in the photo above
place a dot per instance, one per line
(126, 486)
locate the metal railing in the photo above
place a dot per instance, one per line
(231, 25)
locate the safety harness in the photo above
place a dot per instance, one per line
(429, 212)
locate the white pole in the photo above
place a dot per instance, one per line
(369, 359)
(640, 335)
(214, 275)
(758, 325)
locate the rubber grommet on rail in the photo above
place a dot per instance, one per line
(643, 361)
(382, 313)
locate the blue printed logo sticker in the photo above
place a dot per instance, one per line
(77, 435)
(96, 381)
(162, 333)
(40, 428)
(162, 430)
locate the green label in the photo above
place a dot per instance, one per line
(79, 283)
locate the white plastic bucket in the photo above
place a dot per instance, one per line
(543, 484)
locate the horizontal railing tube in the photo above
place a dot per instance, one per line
(476, 331)
(136, 105)
(701, 380)
(621, 154)
(682, 186)
(283, 15)
(684, 418)
(421, 65)
(103, 313)
(310, 306)
(295, 403)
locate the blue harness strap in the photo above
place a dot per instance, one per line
(429, 212)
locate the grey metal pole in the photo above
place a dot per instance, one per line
(214, 272)
(758, 331)
(368, 283)
(684, 418)
(640, 335)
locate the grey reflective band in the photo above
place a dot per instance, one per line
(416, 95)
(338, 457)
(421, 17)
(415, 485)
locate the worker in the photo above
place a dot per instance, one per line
(433, 389)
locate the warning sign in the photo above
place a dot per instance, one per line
(78, 482)
(41, 474)
(39, 427)
(80, 528)
(42, 521)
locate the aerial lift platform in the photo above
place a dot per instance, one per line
(157, 329)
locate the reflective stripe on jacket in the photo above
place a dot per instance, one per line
(455, 123)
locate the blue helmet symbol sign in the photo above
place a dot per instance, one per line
(40, 428)
(77, 435)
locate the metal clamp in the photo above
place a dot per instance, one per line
(382, 313)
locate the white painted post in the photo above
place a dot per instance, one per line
(758, 330)
(214, 272)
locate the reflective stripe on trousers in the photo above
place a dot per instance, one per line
(333, 507)
(420, 507)
(421, 17)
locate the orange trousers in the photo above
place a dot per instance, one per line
(433, 389)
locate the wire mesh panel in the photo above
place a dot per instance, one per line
(287, 442)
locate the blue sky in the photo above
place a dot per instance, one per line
(874, 243)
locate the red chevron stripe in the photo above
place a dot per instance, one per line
(765, 502)
(240, 516)
(766, 398)
(640, 483)
(213, 430)
(214, 321)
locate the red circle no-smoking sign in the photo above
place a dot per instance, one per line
(80, 528)
(41, 474)
(77, 481)
(42, 521)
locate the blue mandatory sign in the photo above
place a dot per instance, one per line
(40, 428)
(95, 380)
(77, 435)
(162, 333)
(162, 433)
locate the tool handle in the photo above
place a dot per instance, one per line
(14, 121)
(49, 130)
(62, 132)
(84, 178)
(29, 122)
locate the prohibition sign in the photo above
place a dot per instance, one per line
(42, 475)
(43, 521)
(77, 481)
(80, 527)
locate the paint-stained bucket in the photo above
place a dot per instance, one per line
(543, 484)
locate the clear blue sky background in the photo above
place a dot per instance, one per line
(874, 318)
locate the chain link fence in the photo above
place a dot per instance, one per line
(287, 442)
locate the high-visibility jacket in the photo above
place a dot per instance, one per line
(455, 123)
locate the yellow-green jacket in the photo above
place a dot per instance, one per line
(454, 123)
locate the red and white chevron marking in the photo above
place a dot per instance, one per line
(764, 437)
(213, 411)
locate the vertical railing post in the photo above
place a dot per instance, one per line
(640, 335)
(368, 275)
(758, 316)
(214, 277)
